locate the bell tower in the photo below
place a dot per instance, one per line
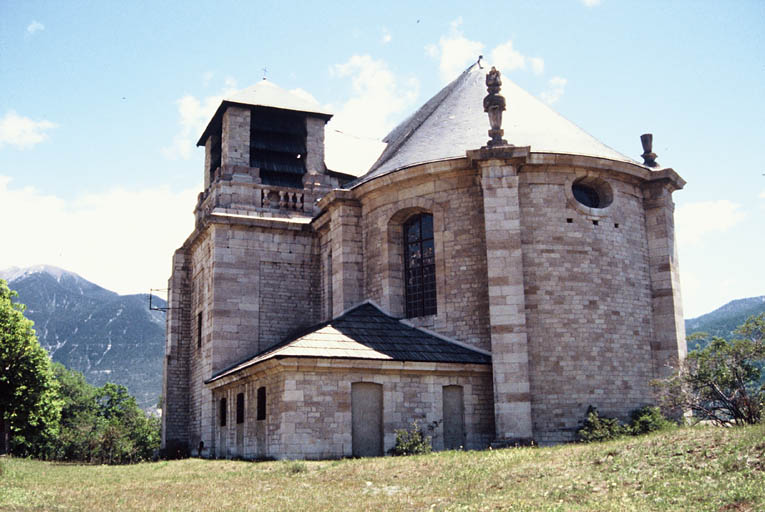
(264, 152)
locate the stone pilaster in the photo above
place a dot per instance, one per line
(668, 345)
(235, 143)
(175, 384)
(510, 358)
(346, 246)
(314, 144)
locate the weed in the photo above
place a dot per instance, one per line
(412, 441)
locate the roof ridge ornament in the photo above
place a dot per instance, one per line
(649, 157)
(494, 105)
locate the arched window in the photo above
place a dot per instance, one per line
(419, 266)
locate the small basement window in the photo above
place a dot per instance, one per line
(223, 411)
(261, 413)
(240, 408)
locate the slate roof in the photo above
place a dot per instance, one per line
(453, 121)
(366, 332)
(266, 94)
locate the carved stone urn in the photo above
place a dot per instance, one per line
(494, 105)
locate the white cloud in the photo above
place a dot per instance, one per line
(386, 36)
(378, 97)
(194, 114)
(591, 3)
(35, 26)
(695, 221)
(537, 65)
(556, 86)
(762, 194)
(454, 51)
(121, 239)
(506, 58)
(22, 132)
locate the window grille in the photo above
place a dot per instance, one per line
(420, 266)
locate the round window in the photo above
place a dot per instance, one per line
(592, 192)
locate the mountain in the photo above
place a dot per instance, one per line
(106, 336)
(723, 321)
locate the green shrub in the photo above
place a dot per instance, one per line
(411, 441)
(600, 428)
(648, 419)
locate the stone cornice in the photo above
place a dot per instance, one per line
(339, 364)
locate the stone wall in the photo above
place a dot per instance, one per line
(450, 191)
(262, 270)
(175, 383)
(253, 439)
(588, 300)
(312, 403)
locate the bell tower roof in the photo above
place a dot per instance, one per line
(269, 95)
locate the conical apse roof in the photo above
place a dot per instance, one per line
(453, 121)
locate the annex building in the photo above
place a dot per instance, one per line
(490, 289)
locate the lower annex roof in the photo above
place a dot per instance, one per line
(366, 332)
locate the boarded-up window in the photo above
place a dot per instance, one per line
(223, 412)
(261, 413)
(240, 408)
(420, 266)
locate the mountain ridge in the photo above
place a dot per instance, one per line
(724, 320)
(104, 335)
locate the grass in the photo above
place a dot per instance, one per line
(694, 469)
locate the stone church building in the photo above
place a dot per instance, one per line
(490, 290)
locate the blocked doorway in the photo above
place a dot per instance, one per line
(454, 417)
(367, 419)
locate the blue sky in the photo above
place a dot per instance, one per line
(101, 104)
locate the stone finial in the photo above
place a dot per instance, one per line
(649, 157)
(494, 105)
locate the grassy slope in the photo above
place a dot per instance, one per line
(689, 469)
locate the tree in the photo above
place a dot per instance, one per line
(721, 382)
(29, 405)
(78, 437)
(102, 424)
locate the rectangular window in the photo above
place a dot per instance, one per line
(199, 330)
(261, 403)
(223, 412)
(240, 408)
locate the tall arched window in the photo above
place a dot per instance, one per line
(420, 266)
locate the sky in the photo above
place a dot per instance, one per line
(101, 104)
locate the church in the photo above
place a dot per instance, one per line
(489, 277)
